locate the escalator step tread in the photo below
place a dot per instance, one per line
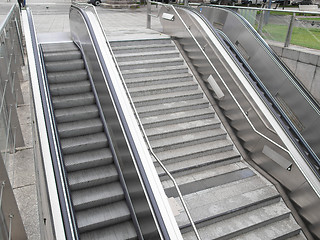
(60, 89)
(59, 47)
(62, 66)
(77, 128)
(67, 76)
(97, 196)
(83, 160)
(83, 143)
(102, 216)
(122, 231)
(76, 113)
(73, 100)
(92, 177)
(62, 56)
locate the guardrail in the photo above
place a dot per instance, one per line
(11, 60)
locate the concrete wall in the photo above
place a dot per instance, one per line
(305, 64)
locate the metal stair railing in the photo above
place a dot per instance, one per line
(142, 129)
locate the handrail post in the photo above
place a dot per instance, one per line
(148, 14)
(289, 33)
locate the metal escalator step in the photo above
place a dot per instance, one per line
(156, 99)
(182, 128)
(59, 47)
(177, 117)
(78, 128)
(92, 177)
(166, 108)
(103, 216)
(67, 76)
(74, 100)
(76, 113)
(122, 231)
(62, 56)
(62, 66)
(83, 143)
(97, 196)
(83, 160)
(60, 89)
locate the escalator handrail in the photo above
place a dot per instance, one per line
(274, 102)
(50, 129)
(124, 123)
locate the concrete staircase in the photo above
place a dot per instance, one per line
(226, 198)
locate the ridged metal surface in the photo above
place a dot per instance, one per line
(98, 199)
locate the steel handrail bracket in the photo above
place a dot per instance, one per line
(36, 76)
(292, 150)
(129, 112)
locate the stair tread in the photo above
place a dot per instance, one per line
(195, 149)
(102, 216)
(182, 128)
(207, 204)
(150, 80)
(154, 69)
(99, 195)
(135, 54)
(244, 222)
(284, 228)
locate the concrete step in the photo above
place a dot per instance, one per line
(75, 100)
(76, 113)
(190, 139)
(150, 43)
(190, 166)
(138, 56)
(97, 196)
(180, 129)
(158, 79)
(155, 71)
(102, 216)
(166, 108)
(83, 143)
(284, 229)
(246, 222)
(167, 97)
(78, 128)
(145, 64)
(177, 117)
(60, 89)
(84, 160)
(206, 178)
(92, 177)
(197, 150)
(163, 88)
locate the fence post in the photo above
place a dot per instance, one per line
(290, 28)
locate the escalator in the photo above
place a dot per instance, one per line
(94, 171)
(98, 199)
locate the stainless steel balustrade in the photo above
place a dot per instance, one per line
(189, 30)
